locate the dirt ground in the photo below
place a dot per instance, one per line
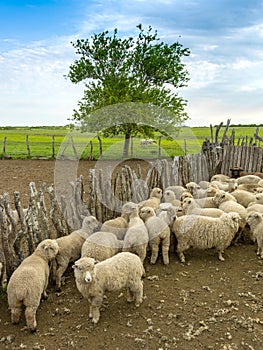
(203, 304)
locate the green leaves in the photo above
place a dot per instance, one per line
(125, 74)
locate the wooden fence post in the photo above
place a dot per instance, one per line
(4, 148)
(53, 146)
(27, 146)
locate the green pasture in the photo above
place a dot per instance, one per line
(67, 142)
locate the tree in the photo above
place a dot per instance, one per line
(130, 84)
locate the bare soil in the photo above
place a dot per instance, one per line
(203, 304)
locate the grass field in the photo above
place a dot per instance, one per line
(45, 142)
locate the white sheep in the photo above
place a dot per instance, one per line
(167, 212)
(228, 186)
(177, 189)
(258, 199)
(248, 179)
(207, 202)
(159, 234)
(225, 202)
(255, 221)
(169, 197)
(190, 207)
(203, 232)
(124, 270)
(29, 282)
(70, 247)
(136, 238)
(255, 207)
(101, 245)
(243, 197)
(119, 225)
(154, 200)
(220, 177)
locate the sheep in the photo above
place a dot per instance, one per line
(243, 197)
(186, 195)
(204, 184)
(224, 201)
(228, 186)
(124, 270)
(154, 200)
(248, 179)
(29, 282)
(146, 142)
(255, 207)
(169, 197)
(190, 207)
(167, 212)
(207, 202)
(203, 232)
(253, 188)
(159, 234)
(258, 199)
(257, 173)
(195, 190)
(177, 189)
(119, 225)
(220, 177)
(101, 245)
(70, 247)
(255, 221)
(136, 238)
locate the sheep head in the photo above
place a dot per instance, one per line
(232, 218)
(169, 196)
(129, 208)
(84, 269)
(156, 192)
(90, 223)
(146, 213)
(254, 218)
(48, 248)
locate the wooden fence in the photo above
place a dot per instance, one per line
(102, 194)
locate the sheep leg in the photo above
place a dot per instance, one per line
(181, 247)
(141, 250)
(16, 313)
(30, 314)
(95, 308)
(138, 294)
(165, 250)
(59, 273)
(220, 256)
(130, 296)
(154, 251)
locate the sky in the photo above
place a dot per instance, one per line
(225, 67)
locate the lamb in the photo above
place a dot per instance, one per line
(248, 179)
(136, 238)
(154, 200)
(190, 207)
(258, 199)
(177, 189)
(220, 177)
(224, 201)
(255, 207)
(255, 221)
(124, 270)
(195, 190)
(228, 186)
(101, 245)
(203, 232)
(70, 247)
(167, 213)
(169, 197)
(159, 234)
(29, 282)
(243, 197)
(119, 225)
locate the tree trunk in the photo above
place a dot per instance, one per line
(126, 145)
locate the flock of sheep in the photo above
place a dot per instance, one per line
(110, 256)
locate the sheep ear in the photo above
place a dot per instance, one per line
(96, 262)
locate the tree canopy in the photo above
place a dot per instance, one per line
(131, 84)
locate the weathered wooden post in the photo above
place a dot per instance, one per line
(28, 147)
